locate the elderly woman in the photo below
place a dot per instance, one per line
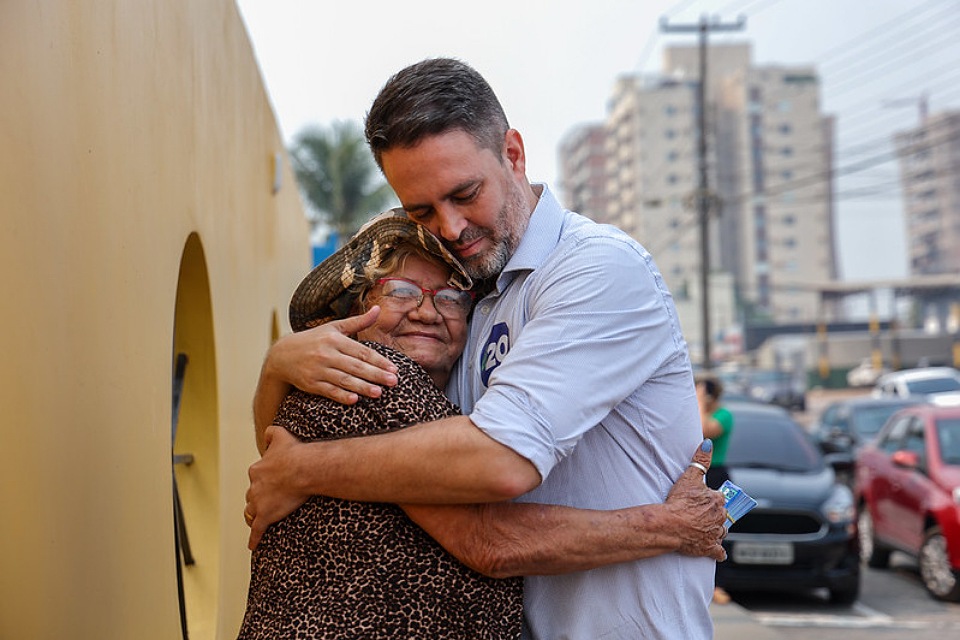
(340, 569)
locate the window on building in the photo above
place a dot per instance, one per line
(800, 78)
(763, 289)
(760, 219)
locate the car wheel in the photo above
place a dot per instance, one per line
(846, 589)
(871, 551)
(845, 595)
(938, 577)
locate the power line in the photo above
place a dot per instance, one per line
(825, 176)
(864, 38)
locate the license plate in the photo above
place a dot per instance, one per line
(763, 553)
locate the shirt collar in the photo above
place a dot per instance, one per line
(539, 238)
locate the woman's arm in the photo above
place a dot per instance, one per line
(514, 539)
(324, 361)
(711, 426)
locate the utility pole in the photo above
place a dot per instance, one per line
(922, 102)
(703, 196)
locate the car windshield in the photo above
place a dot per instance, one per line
(769, 377)
(933, 385)
(771, 441)
(948, 433)
(868, 420)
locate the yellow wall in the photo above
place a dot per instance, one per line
(136, 144)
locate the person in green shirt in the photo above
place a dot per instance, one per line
(717, 424)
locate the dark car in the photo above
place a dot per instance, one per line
(908, 489)
(773, 386)
(802, 534)
(845, 425)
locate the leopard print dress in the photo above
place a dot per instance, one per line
(342, 569)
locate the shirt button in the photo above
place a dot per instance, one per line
(485, 309)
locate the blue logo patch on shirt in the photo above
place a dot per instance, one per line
(494, 351)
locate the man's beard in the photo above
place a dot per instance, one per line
(509, 227)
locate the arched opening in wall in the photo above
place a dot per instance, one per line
(196, 445)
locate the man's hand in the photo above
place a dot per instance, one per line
(700, 509)
(273, 493)
(326, 361)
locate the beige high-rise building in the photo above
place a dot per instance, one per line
(930, 175)
(769, 152)
(583, 159)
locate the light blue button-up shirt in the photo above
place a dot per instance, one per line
(576, 361)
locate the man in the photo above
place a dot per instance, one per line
(576, 383)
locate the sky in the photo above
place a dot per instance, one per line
(553, 64)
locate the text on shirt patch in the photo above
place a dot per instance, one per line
(494, 351)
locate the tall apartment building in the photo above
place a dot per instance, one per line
(769, 163)
(929, 158)
(583, 181)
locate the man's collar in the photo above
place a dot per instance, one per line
(539, 238)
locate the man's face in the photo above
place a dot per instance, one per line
(477, 201)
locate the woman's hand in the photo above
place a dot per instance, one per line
(327, 361)
(324, 361)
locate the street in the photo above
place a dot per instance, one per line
(892, 602)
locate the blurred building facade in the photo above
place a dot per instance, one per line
(583, 157)
(929, 159)
(769, 150)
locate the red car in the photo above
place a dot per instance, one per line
(908, 493)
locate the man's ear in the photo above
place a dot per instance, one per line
(514, 154)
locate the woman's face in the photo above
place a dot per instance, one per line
(430, 339)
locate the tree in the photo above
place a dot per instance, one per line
(338, 177)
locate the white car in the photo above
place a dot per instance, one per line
(937, 385)
(864, 375)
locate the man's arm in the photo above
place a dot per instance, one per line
(323, 361)
(449, 461)
(516, 539)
